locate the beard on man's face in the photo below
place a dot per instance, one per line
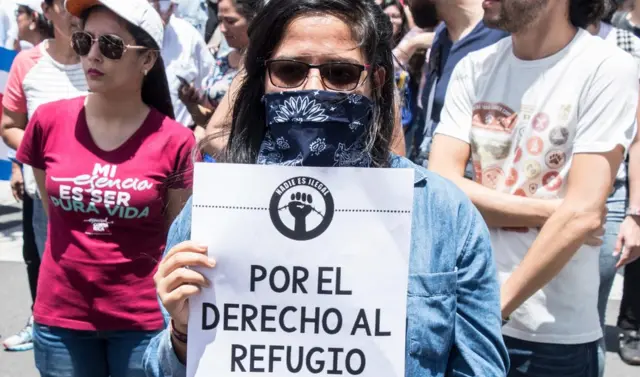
(424, 13)
(514, 16)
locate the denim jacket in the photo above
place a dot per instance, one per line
(453, 297)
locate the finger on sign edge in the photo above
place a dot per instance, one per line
(187, 277)
(186, 246)
(180, 293)
(187, 258)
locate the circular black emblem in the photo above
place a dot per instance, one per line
(301, 208)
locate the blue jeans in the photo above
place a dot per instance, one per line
(39, 224)
(71, 353)
(616, 206)
(529, 359)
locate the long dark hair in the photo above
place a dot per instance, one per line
(404, 28)
(370, 26)
(248, 8)
(155, 87)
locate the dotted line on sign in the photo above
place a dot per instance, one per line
(337, 210)
(373, 210)
(232, 207)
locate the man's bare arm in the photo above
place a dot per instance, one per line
(581, 213)
(449, 158)
(13, 125)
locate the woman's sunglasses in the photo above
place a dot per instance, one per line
(337, 76)
(111, 46)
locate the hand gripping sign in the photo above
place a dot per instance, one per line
(311, 271)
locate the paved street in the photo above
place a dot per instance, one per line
(14, 296)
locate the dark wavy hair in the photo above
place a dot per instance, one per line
(248, 8)
(155, 87)
(583, 13)
(372, 29)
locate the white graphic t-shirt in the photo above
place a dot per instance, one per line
(524, 121)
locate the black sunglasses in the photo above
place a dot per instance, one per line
(111, 46)
(285, 73)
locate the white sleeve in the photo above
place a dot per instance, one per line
(607, 108)
(204, 60)
(457, 112)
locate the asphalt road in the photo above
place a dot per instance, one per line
(15, 299)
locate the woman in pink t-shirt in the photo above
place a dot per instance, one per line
(114, 169)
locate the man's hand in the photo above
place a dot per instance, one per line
(628, 243)
(17, 182)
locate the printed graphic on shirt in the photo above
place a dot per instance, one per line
(517, 156)
(99, 227)
(494, 116)
(102, 194)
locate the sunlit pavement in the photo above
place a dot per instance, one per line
(15, 301)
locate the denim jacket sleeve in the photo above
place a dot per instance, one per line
(454, 323)
(160, 359)
(479, 348)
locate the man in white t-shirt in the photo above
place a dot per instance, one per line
(547, 116)
(185, 55)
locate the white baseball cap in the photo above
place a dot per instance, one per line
(138, 12)
(34, 5)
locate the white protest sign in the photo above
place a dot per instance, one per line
(311, 275)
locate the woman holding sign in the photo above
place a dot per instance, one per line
(336, 55)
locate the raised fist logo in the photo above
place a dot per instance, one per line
(297, 213)
(300, 207)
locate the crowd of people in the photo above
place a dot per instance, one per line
(519, 118)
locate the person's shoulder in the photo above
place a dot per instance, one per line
(59, 107)
(443, 207)
(26, 59)
(478, 62)
(173, 130)
(603, 56)
(627, 41)
(50, 114)
(431, 189)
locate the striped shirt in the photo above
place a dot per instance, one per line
(36, 78)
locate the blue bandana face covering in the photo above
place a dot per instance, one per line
(316, 128)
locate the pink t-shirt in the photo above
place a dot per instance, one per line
(107, 225)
